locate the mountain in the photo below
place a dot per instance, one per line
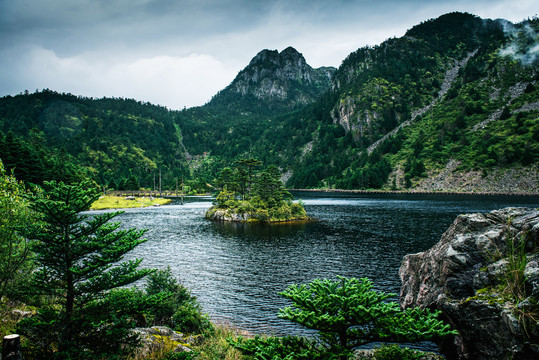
(274, 82)
(110, 140)
(456, 97)
(451, 105)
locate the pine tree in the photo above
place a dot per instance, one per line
(349, 313)
(79, 259)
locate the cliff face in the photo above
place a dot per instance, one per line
(277, 79)
(465, 276)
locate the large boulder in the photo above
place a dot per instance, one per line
(465, 276)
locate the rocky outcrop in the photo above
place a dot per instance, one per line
(516, 179)
(463, 276)
(369, 354)
(278, 77)
(291, 213)
(160, 339)
(227, 215)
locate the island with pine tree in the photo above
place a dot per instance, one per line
(249, 195)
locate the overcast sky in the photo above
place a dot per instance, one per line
(179, 53)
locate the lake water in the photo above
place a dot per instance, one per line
(237, 270)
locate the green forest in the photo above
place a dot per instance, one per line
(254, 195)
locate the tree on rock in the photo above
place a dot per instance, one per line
(269, 188)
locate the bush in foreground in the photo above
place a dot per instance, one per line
(347, 313)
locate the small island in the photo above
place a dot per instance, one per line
(248, 195)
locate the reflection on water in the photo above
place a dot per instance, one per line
(237, 270)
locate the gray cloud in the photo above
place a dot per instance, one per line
(180, 53)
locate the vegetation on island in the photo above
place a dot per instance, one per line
(251, 195)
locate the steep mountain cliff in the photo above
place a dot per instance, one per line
(456, 95)
(232, 124)
(274, 81)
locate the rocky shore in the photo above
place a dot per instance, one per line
(466, 274)
(257, 216)
(512, 180)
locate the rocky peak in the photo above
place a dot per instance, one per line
(288, 57)
(278, 77)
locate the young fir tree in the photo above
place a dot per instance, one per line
(269, 188)
(79, 259)
(349, 313)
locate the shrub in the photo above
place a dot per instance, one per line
(393, 352)
(178, 309)
(348, 313)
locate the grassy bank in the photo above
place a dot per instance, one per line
(119, 202)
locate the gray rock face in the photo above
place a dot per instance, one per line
(225, 215)
(279, 76)
(161, 339)
(462, 276)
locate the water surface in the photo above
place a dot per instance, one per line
(237, 270)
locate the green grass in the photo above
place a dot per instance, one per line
(119, 202)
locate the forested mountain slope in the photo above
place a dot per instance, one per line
(109, 140)
(457, 92)
(451, 105)
(272, 84)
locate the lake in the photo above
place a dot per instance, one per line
(237, 270)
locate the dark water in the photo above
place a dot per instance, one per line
(237, 270)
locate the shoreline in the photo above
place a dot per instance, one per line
(416, 192)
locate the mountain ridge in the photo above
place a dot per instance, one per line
(457, 89)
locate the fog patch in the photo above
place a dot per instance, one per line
(524, 41)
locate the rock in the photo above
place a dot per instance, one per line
(162, 338)
(460, 276)
(368, 354)
(18, 314)
(226, 215)
(129, 198)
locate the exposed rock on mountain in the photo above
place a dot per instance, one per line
(272, 78)
(469, 275)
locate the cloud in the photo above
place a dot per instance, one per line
(181, 52)
(174, 82)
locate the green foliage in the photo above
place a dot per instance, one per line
(348, 313)
(393, 352)
(98, 334)
(260, 194)
(15, 265)
(33, 161)
(109, 138)
(180, 356)
(281, 348)
(180, 310)
(79, 259)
